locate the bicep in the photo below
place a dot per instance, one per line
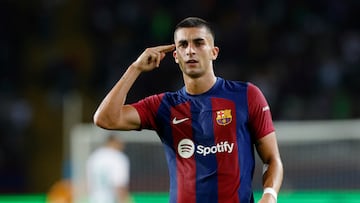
(125, 117)
(267, 147)
(129, 119)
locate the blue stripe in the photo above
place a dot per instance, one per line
(206, 166)
(165, 134)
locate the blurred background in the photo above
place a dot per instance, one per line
(304, 55)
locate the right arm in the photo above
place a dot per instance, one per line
(112, 112)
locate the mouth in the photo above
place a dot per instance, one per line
(192, 61)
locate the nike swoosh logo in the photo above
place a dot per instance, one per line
(175, 121)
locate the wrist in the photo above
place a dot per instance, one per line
(271, 191)
(135, 66)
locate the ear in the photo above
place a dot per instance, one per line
(175, 57)
(215, 52)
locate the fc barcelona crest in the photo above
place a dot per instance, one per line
(223, 117)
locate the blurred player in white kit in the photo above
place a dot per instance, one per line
(108, 173)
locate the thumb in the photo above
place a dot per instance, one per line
(162, 55)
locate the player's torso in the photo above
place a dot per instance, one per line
(216, 118)
(206, 140)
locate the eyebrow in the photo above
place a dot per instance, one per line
(194, 40)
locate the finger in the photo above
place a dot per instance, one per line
(165, 48)
(149, 59)
(158, 59)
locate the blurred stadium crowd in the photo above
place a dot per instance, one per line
(304, 55)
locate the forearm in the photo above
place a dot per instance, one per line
(273, 175)
(110, 109)
(124, 195)
(272, 180)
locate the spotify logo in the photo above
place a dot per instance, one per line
(186, 148)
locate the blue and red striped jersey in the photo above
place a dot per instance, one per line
(209, 139)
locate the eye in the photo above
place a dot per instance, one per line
(182, 44)
(199, 42)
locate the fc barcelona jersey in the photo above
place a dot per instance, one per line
(209, 139)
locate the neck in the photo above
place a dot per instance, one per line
(199, 85)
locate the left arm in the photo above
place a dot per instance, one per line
(262, 127)
(268, 151)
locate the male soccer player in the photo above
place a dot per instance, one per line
(209, 128)
(108, 173)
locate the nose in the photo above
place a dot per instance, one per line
(190, 50)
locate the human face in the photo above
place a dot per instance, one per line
(195, 51)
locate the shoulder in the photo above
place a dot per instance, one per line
(154, 98)
(123, 157)
(174, 98)
(150, 101)
(254, 92)
(233, 85)
(157, 98)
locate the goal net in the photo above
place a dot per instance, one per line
(316, 155)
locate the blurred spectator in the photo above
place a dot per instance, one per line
(108, 173)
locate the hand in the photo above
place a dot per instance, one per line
(267, 198)
(151, 57)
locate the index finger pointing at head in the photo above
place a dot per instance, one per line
(165, 48)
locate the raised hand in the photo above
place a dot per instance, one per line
(152, 57)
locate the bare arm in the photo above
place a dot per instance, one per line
(124, 195)
(268, 151)
(112, 113)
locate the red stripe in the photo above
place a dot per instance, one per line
(186, 168)
(228, 163)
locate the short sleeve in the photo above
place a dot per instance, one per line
(260, 119)
(147, 109)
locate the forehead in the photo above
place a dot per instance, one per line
(191, 33)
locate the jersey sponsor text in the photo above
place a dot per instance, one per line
(186, 148)
(222, 147)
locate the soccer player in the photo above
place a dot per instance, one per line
(108, 173)
(209, 128)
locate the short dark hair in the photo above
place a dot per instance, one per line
(190, 22)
